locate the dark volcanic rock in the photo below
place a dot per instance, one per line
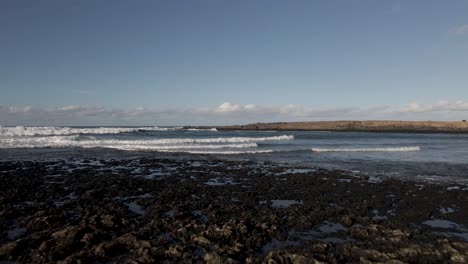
(220, 211)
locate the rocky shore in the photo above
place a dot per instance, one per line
(359, 126)
(219, 211)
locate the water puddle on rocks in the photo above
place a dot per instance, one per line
(285, 203)
(220, 181)
(447, 228)
(378, 217)
(276, 245)
(330, 227)
(170, 213)
(463, 236)
(328, 232)
(146, 195)
(153, 175)
(344, 180)
(200, 216)
(440, 223)
(374, 179)
(135, 208)
(158, 173)
(16, 232)
(294, 171)
(446, 210)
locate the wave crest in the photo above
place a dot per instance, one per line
(222, 152)
(21, 131)
(383, 149)
(127, 144)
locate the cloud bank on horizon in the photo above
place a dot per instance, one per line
(225, 113)
(460, 30)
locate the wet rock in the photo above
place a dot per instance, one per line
(175, 251)
(213, 258)
(457, 258)
(201, 240)
(284, 257)
(348, 220)
(9, 250)
(218, 224)
(124, 244)
(320, 247)
(67, 235)
(109, 221)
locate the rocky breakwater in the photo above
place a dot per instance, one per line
(217, 211)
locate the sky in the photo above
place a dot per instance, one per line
(88, 62)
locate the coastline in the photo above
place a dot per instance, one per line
(216, 211)
(354, 126)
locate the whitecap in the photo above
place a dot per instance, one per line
(22, 131)
(381, 149)
(196, 145)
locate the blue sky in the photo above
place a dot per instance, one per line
(177, 62)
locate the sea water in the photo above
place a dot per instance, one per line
(403, 155)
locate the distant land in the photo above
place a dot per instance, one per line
(360, 126)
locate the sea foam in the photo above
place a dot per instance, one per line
(225, 152)
(203, 129)
(195, 145)
(165, 141)
(21, 131)
(381, 149)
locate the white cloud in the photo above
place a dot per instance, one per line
(16, 109)
(231, 108)
(290, 109)
(227, 107)
(225, 113)
(412, 107)
(250, 107)
(69, 108)
(441, 106)
(460, 30)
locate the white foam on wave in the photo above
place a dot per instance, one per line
(188, 145)
(173, 141)
(244, 139)
(202, 129)
(170, 141)
(21, 131)
(160, 128)
(174, 148)
(33, 142)
(52, 141)
(223, 152)
(73, 141)
(383, 149)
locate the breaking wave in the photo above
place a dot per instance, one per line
(223, 152)
(21, 131)
(203, 129)
(387, 149)
(172, 141)
(195, 145)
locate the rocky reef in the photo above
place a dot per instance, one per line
(219, 211)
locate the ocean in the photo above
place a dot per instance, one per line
(431, 157)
